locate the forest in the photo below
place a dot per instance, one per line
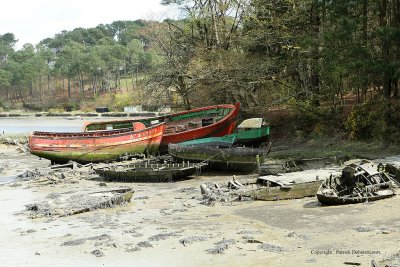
(326, 66)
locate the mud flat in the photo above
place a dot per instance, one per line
(167, 224)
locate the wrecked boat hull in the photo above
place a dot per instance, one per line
(293, 191)
(332, 200)
(80, 203)
(241, 159)
(150, 173)
(360, 181)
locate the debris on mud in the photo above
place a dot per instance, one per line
(221, 246)
(392, 261)
(271, 248)
(97, 253)
(192, 239)
(299, 236)
(81, 241)
(161, 236)
(363, 229)
(144, 244)
(58, 205)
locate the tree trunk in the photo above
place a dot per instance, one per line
(212, 8)
(94, 85)
(82, 87)
(40, 88)
(30, 90)
(386, 82)
(48, 83)
(315, 76)
(126, 84)
(69, 88)
(365, 21)
(396, 89)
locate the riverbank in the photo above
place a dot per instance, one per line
(75, 114)
(169, 220)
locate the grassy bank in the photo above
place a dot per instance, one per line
(331, 147)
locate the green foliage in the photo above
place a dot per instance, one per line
(122, 100)
(261, 53)
(4, 106)
(71, 106)
(316, 120)
(375, 120)
(365, 121)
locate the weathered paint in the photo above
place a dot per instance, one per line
(239, 158)
(95, 146)
(223, 126)
(251, 137)
(293, 191)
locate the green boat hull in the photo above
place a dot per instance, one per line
(251, 137)
(242, 159)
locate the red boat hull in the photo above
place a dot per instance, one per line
(186, 125)
(97, 146)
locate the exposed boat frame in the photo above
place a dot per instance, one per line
(150, 172)
(360, 181)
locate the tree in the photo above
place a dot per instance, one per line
(7, 43)
(71, 61)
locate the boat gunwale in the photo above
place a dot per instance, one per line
(92, 134)
(228, 117)
(334, 200)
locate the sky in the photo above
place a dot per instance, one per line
(34, 20)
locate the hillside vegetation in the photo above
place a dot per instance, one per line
(327, 67)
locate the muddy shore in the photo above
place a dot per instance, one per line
(167, 224)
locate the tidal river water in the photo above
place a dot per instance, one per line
(30, 124)
(26, 125)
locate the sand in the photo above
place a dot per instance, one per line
(166, 224)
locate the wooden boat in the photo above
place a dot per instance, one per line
(251, 132)
(244, 159)
(359, 182)
(223, 141)
(99, 146)
(275, 168)
(149, 172)
(393, 171)
(218, 120)
(270, 189)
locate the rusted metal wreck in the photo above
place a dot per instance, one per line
(360, 181)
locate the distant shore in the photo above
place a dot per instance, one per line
(75, 114)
